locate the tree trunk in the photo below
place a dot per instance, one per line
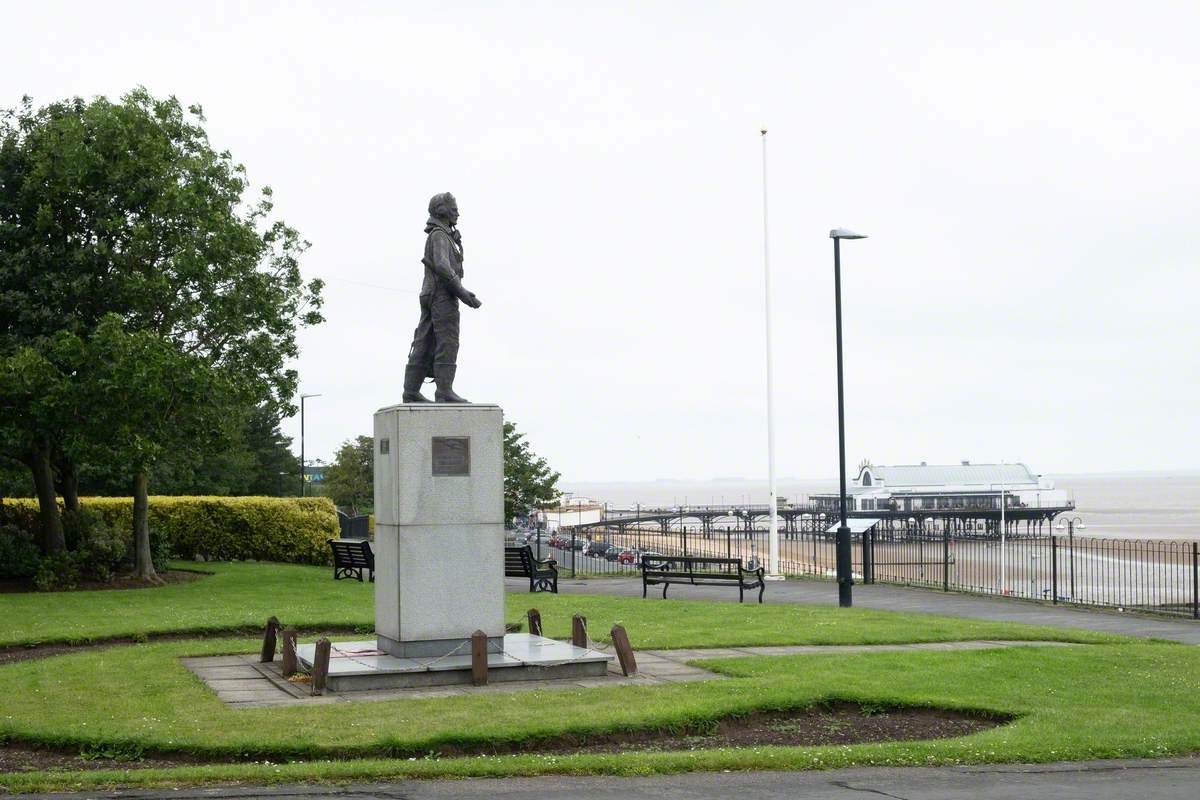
(49, 518)
(144, 566)
(68, 483)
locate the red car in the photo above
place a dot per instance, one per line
(627, 557)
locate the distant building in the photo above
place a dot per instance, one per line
(573, 510)
(959, 487)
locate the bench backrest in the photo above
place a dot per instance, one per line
(692, 565)
(518, 561)
(352, 554)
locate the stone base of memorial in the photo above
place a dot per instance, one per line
(360, 666)
(439, 559)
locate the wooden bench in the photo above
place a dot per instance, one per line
(701, 571)
(520, 563)
(351, 557)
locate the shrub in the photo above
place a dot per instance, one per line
(289, 529)
(99, 548)
(161, 551)
(19, 555)
(57, 572)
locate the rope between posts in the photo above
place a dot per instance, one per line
(333, 648)
(592, 644)
(439, 659)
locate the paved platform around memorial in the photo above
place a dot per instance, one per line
(242, 681)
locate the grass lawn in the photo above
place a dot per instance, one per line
(241, 595)
(1111, 697)
(1093, 701)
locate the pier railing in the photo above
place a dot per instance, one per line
(1161, 576)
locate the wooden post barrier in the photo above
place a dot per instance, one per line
(620, 640)
(320, 667)
(535, 621)
(268, 647)
(479, 659)
(289, 652)
(579, 630)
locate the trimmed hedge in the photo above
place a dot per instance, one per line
(287, 529)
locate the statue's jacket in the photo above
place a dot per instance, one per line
(443, 261)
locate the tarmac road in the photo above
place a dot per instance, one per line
(1168, 779)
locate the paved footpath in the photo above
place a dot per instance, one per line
(901, 598)
(1168, 779)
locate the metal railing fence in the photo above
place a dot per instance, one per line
(1161, 576)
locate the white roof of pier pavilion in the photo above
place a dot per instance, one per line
(984, 476)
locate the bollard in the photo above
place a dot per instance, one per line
(479, 659)
(289, 652)
(579, 631)
(268, 647)
(620, 640)
(535, 621)
(320, 667)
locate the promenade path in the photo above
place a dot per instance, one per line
(1167, 779)
(901, 598)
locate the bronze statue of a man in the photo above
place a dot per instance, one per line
(434, 351)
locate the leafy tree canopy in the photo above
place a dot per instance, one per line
(528, 480)
(148, 306)
(349, 480)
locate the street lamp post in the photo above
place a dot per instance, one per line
(844, 577)
(303, 397)
(1070, 526)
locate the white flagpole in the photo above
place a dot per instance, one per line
(1003, 550)
(773, 539)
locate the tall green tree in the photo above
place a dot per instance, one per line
(349, 480)
(122, 229)
(273, 467)
(528, 480)
(35, 401)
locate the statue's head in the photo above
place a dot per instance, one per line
(443, 206)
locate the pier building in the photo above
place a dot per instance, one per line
(916, 488)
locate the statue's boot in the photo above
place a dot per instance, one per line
(443, 376)
(413, 377)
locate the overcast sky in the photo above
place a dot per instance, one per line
(1028, 174)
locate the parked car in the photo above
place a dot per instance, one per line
(598, 549)
(612, 553)
(628, 557)
(576, 544)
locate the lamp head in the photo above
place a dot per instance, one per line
(843, 233)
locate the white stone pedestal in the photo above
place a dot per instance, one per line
(439, 528)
